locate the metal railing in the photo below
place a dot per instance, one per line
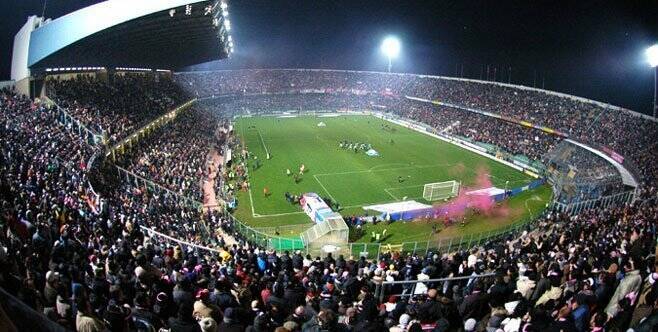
(96, 198)
(601, 202)
(295, 229)
(442, 245)
(381, 288)
(373, 250)
(262, 239)
(139, 181)
(152, 233)
(142, 132)
(71, 123)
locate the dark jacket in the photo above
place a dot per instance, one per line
(230, 327)
(474, 306)
(179, 325)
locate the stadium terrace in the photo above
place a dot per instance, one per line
(143, 199)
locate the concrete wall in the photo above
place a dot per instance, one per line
(23, 86)
(19, 56)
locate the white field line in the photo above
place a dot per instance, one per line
(384, 169)
(371, 170)
(389, 193)
(251, 199)
(267, 152)
(532, 198)
(323, 187)
(387, 190)
(391, 164)
(277, 214)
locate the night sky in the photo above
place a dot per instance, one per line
(593, 49)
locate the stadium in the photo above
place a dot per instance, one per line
(139, 194)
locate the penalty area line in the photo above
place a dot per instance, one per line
(262, 141)
(251, 202)
(251, 199)
(276, 214)
(389, 193)
(325, 189)
(267, 152)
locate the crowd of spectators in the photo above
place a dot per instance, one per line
(584, 121)
(43, 168)
(533, 144)
(119, 106)
(257, 81)
(174, 156)
(583, 174)
(97, 264)
(306, 102)
(512, 138)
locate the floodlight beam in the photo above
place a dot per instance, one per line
(391, 48)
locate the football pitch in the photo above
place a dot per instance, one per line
(407, 161)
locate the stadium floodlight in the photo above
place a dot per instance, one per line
(227, 25)
(652, 58)
(391, 48)
(652, 55)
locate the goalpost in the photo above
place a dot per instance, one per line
(440, 190)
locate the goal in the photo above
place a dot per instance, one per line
(440, 190)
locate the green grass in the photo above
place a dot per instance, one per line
(520, 207)
(355, 179)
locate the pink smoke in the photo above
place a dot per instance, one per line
(458, 207)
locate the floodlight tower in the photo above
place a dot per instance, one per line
(652, 58)
(391, 48)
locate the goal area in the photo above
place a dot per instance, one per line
(440, 190)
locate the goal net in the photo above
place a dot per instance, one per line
(440, 190)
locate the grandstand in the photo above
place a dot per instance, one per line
(129, 192)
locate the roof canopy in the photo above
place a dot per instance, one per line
(148, 34)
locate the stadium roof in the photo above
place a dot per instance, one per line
(134, 33)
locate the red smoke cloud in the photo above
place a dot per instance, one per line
(458, 207)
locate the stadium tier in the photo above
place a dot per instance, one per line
(147, 201)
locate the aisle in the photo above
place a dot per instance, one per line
(213, 161)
